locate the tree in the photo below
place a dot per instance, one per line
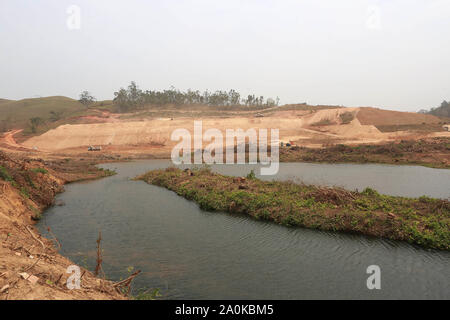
(442, 111)
(86, 98)
(55, 115)
(121, 100)
(35, 122)
(134, 95)
(132, 98)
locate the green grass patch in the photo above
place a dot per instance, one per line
(17, 114)
(4, 174)
(40, 170)
(423, 221)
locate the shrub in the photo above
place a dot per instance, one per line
(370, 192)
(40, 170)
(251, 175)
(5, 175)
(346, 117)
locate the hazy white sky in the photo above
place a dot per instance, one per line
(387, 53)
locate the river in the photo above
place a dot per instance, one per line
(191, 254)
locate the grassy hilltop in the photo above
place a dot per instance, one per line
(16, 114)
(51, 111)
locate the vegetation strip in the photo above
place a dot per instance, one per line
(427, 152)
(423, 221)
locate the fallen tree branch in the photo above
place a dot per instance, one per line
(98, 267)
(127, 280)
(35, 238)
(43, 249)
(31, 267)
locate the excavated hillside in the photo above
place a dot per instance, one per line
(380, 117)
(313, 128)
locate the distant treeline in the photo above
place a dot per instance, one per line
(133, 98)
(442, 111)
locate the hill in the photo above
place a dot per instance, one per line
(391, 121)
(5, 101)
(17, 114)
(65, 123)
(380, 117)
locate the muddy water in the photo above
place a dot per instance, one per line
(193, 254)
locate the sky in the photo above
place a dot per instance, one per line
(392, 54)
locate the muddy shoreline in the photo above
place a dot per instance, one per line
(30, 265)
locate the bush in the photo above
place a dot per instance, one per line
(251, 175)
(370, 192)
(5, 175)
(40, 170)
(346, 117)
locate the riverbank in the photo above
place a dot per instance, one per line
(422, 221)
(30, 265)
(434, 152)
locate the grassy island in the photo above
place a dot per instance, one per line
(423, 221)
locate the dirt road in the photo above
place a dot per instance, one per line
(9, 140)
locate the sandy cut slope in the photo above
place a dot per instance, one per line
(352, 125)
(380, 117)
(159, 130)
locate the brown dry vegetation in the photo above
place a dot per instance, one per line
(433, 152)
(420, 128)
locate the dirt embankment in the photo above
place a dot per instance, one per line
(380, 117)
(432, 152)
(313, 128)
(30, 266)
